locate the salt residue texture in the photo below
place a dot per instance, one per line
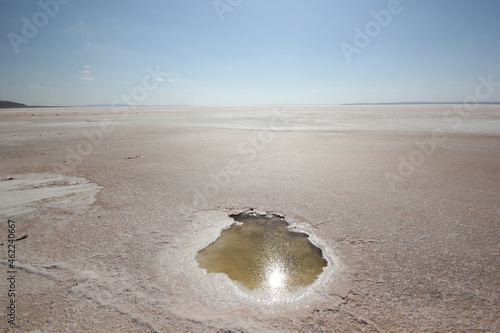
(28, 193)
(216, 292)
(417, 258)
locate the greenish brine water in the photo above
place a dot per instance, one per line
(262, 253)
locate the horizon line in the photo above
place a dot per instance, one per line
(21, 105)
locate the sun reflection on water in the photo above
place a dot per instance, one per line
(261, 253)
(276, 278)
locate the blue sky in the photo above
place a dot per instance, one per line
(246, 52)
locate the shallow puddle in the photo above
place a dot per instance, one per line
(261, 253)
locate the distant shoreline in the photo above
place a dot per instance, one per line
(14, 105)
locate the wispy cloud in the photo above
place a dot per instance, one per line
(170, 80)
(94, 46)
(33, 86)
(86, 77)
(159, 79)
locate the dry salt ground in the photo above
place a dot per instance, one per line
(116, 203)
(29, 193)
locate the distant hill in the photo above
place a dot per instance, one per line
(10, 105)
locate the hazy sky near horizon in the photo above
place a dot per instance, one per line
(245, 52)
